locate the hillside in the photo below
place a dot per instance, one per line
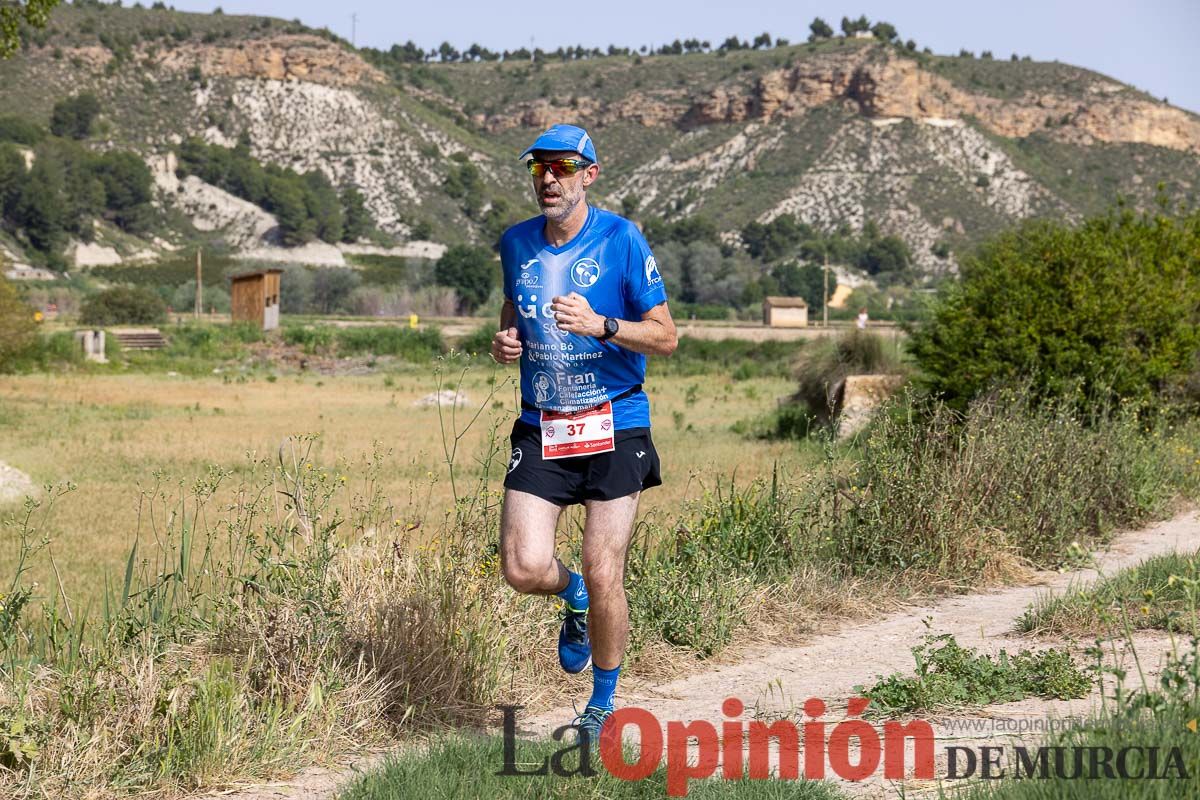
(940, 151)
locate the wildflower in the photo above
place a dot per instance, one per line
(1172, 580)
(1145, 609)
(1148, 594)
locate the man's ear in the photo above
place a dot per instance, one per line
(589, 177)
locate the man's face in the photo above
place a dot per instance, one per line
(558, 196)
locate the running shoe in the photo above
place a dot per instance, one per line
(574, 649)
(590, 723)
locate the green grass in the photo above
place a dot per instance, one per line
(1149, 717)
(1152, 595)
(738, 358)
(464, 767)
(950, 676)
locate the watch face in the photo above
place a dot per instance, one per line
(610, 326)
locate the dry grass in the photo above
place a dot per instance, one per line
(111, 434)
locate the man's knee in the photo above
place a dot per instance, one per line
(603, 577)
(527, 576)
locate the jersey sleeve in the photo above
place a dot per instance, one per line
(644, 287)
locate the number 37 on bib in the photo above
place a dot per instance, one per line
(578, 433)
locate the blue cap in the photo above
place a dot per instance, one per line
(564, 137)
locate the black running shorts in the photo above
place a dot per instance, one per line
(631, 467)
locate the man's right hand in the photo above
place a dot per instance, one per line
(506, 347)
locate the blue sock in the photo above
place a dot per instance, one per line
(575, 595)
(604, 686)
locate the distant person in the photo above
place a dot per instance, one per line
(861, 322)
(584, 304)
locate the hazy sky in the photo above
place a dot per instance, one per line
(1150, 44)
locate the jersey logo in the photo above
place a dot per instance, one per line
(543, 388)
(586, 272)
(652, 274)
(530, 310)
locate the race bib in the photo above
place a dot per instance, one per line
(578, 433)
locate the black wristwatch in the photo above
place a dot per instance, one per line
(611, 326)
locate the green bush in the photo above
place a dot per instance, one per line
(17, 328)
(378, 340)
(123, 305)
(213, 341)
(312, 338)
(20, 130)
(1113, 305)
(479, 341)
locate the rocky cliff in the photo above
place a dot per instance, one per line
(941, 151)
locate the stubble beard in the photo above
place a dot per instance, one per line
(568, 202)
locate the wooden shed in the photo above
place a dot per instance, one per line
(785, 312)
(255, 298)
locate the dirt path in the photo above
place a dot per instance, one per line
(774, 683)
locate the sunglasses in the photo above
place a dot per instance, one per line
(560, 167)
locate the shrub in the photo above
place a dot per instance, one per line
(412, 345)
(74, 116)
(1112, 305)
(20, 130)
(1014, 480)
(822, 371)
(123, 305)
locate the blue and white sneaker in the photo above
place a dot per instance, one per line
(590, 723)
(574, 648)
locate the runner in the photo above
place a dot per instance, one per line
(584, 304)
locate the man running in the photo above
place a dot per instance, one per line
(584, 304)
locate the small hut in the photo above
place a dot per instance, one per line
(785, 312)
(255, 298)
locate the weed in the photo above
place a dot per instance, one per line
(951, 676)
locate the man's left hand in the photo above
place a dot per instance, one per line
(573, 314)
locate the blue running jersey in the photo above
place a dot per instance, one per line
(610, 264)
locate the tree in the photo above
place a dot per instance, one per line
(356, 219)
(17, 328)
(853, 26)
(469, 270)
(802, 280)
(12, 178)
(127, 188)
(73, 116)
(39, 208)
(629, 205)
(332, 287)
(35, 13)
(820, 29)
(884, 31)
(762, 41)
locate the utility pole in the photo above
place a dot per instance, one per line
(199, 287)
(353, 28)
(825, 305)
